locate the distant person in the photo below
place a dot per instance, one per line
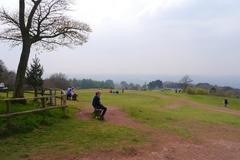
(122, 90)
(74, 95)
(70, 93)
(98, 106)
(226, 102)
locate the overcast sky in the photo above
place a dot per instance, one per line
(139, 37)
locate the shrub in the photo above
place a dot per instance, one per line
(196, 91)
(190, 90)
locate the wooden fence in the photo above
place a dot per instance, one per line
(48, 102)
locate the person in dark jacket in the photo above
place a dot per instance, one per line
(98, 106)
(226, 102)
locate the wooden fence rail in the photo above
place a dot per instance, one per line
(52, 99)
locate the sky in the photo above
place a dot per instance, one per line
(148, 37)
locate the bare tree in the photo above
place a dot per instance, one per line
(41, 24)
(57, 80)
(186, 81)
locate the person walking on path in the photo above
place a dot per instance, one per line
(226, 102)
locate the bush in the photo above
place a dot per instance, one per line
(190, 90)
(201, 91)
(196, 91)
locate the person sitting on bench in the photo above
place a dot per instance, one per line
(74, 96)
(98, 107)
(69, 93)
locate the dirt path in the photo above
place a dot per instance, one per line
(212, 143)
(114, 116)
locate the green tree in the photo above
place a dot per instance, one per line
(34, 75)
(109, 84)
(155, 84)
(42, 24)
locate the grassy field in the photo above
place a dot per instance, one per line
(50, 133)
(234, 103)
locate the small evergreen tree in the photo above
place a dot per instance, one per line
(34, 75)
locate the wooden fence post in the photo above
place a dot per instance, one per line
(8, 110)
(43, 92)
(61, 98)
(43, 102)
(7, 93)
(51, 97)
(55, 99)
(63, 103)
(64, 100)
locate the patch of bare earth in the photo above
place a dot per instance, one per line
(210, 142)
(113, 116)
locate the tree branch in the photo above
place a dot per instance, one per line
(22, 16)
(46, 27)
(7, 19)
(30, 17)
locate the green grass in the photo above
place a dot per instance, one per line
(187, 113)
(17, 107)
(50, 133)
(69, 136)
(148, 108)
(234, 103)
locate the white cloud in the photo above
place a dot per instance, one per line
(98, 12)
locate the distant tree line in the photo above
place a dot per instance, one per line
(34, 80)
(128, 86)
(89, 83)
(60, 80)
(7, 77)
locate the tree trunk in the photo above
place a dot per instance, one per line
(22, 66)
